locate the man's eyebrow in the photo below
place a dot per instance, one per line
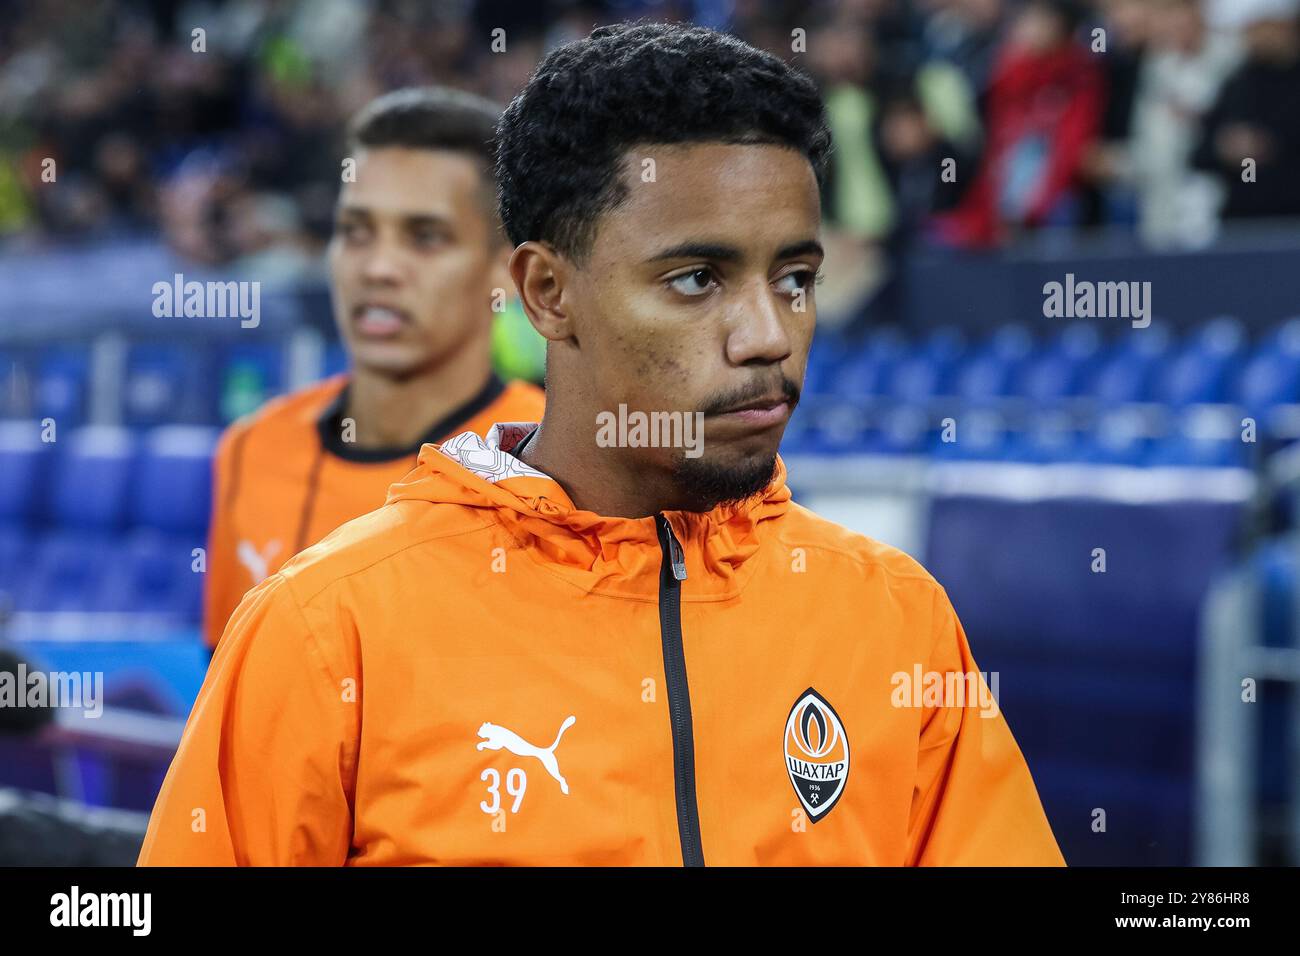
(724, 253)
(699, 250)
(425, 219)
(409, 218)
(804, 248)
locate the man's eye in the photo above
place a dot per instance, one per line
(350, 231)
(793, 281)
(693, 283)
(429, 237)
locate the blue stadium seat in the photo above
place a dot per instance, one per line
(1271, 376)
(15, 386)
(1205, 437)
(92, 476)
(1119, 438)
(167, 384)
(15, 560)
(23, 461)
(61, 382)
(920, 376)
(816, 381)
(1047, 439)
(1202, 370)
(1199, 452)
(946, 344)
(867, 369)
(834, 427)
(983, 378)
(827, 352)
(990, 370)
(68, 572)
(797, 437)
(1060, 369)
(171, 490)
(336, 360)
(153, 573)
(1014, 342)
(887, 341)
(979, 436)
(903, 430)
(1126, 372)
(926, 370)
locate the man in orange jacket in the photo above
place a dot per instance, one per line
(416, 260)
(613, 638)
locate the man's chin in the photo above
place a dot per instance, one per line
(709, 482)
(388, 359)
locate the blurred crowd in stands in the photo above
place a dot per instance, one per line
(960, 123)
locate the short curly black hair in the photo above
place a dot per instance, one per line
(560, 143)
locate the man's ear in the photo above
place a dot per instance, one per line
(539, 274)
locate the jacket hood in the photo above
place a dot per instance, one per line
(614, 556)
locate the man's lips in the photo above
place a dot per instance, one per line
(379, 321)
(759, 414)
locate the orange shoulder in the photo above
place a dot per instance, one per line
(284, 419)
(519, 402)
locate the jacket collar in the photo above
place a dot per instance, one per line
(595, 553)
(329, 426)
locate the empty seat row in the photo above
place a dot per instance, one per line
(1138, 435)
(106, 478)
(142, 572)
(157, 384)
(1216, 363)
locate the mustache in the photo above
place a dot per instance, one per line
(752, 392)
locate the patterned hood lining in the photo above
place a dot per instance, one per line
(490, 457)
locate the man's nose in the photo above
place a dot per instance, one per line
(760, 333)
(382, 264)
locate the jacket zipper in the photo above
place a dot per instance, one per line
(672, 573)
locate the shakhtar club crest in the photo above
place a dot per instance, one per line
(816, 753)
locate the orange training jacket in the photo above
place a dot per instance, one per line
(479, 673)
(284, 477)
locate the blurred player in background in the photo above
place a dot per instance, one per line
(416, 262)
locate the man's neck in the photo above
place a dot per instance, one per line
(397, 412)
(599, 480)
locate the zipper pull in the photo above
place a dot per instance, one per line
(675, 553)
